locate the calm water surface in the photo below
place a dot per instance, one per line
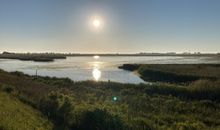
(96, 68)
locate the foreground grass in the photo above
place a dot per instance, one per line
(15, 115)
(90, 105)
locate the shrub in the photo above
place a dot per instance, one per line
(99, 119)
(7, 88)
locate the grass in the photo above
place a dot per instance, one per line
(175, 73)
(15, 115)
(90, 105)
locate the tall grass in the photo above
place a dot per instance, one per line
(175, 73)
(89, 105)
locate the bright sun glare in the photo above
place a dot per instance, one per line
(96, 23)
(96, 74)
(96, 57)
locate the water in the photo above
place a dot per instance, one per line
(96, 68)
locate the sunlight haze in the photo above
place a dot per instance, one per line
(97, 26)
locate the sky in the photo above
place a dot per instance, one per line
(127, 26)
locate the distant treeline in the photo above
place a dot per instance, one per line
(147, 54)
(120, 54)
(47, 57)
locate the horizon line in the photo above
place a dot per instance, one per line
(115, 53)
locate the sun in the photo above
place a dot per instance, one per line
(96, 23)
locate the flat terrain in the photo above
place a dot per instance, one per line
(114, 106)
(48, 57)
(175, 73)
(33, 57)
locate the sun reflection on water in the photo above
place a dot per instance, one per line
(96, 72)
(96, 57)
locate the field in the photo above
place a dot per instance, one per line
(114, 106)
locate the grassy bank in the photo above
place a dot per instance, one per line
(175, 73)
(15, 115)
(114, 106)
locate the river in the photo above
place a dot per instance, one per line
(96, 68)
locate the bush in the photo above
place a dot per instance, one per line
(7, 88)
(205, 89)
(58, 107)
(100, 120)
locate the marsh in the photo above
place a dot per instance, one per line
(104, 68)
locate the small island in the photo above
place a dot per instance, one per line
(37, 57)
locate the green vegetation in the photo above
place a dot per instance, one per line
(15, 115)
(175, 73)
(90, 105)
(44, 57)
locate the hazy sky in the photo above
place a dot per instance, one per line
(128, 26)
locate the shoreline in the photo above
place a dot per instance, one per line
(33, 57)
(174, 73)
(124, 102)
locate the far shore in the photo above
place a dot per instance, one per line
(50, 57)
(33, 57)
